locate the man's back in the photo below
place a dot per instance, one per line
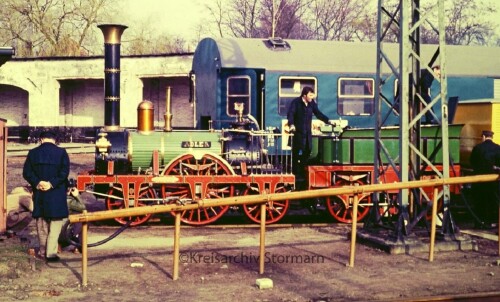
(46, 160)
(484, 156)
(49, 163)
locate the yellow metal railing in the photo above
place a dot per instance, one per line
(262, 199)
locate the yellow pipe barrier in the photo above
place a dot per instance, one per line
(177, 242)
(433, 223)
(262, 199)
(354, 230)
(257, 199)
(262, 249)
(84, 251)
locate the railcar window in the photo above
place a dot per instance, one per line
(238, 94)
(356, 96)
(290, 88)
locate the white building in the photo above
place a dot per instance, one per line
(68, 92)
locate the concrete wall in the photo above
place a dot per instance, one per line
(14, 105)
(69, 92)
(3, 176)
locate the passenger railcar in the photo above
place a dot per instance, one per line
(241, 91)
(266, 74)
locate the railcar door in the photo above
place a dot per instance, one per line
(240, 89)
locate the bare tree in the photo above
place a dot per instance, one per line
(467, 22)
(145, 42)
(365, 28)
(293, 19)
(243, 18)
(257, 18)
(237, 18)
(337, 19)
(51, 27)
(216, 10)
(284, 18)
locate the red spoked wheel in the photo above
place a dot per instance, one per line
(275, 210)
(115, 201)
(208, 165)
(340, 206)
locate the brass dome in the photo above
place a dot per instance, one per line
(146, 105)
(145, 117)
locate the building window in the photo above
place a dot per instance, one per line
(356, 96)
(238, 95)
(290, 88)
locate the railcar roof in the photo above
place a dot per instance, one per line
(347, 57)
(481, 101)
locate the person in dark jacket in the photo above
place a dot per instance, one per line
(426, 79)
(425, 83)
(299, 118)
(484, 158)
(46, 169)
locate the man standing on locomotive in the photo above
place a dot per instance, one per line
(426, 79)
(46, 169)
(299, 118)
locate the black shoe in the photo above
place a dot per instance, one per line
(53, 259)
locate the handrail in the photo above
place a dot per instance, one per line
(263, 199)
(255, 199)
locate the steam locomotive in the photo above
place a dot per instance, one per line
(240, 144)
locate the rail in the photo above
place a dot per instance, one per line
(355, 191)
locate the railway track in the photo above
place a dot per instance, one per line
(73, 148)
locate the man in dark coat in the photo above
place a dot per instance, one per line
(46, 169)
(299, 118)
(425, 84)
(484, 157)
(426, 79)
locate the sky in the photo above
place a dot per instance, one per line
(175, 17)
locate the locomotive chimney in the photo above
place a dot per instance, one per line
(112, 36)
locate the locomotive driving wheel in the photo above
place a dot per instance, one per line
(275, 210)
(340, 206)
(208, 165)
(115, 201)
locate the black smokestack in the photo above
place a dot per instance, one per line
(112, 36)
(6, 54)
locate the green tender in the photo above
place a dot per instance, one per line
(356, 146)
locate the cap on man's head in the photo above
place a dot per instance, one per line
(48, 134)
(487, 133)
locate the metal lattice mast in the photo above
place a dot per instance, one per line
(403, 22)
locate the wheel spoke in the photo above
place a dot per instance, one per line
(274, 210)
(112, 203)
(207, 165)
